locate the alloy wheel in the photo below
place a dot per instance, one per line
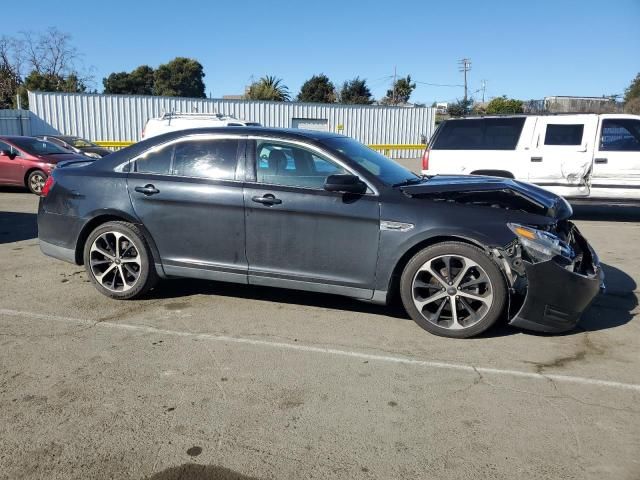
(36, 182)
(115, 261)
(452, 292)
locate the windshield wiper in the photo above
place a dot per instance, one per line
(409, 181)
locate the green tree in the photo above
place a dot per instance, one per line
(460, 108)
(9, 84)
(139, 82)
(504, 105)
(38, 82)
(318, 89)
(268, 88)
(356, 92)
(181, 77)
(633, 90)
(400, 92)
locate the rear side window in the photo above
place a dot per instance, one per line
(479, 134)
(562, 134)
(620, 135)
(155, 161)
(214, 158)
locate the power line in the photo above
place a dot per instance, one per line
(440, 84)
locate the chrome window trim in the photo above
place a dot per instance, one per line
(372, 190)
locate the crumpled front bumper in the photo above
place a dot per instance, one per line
(557, 297)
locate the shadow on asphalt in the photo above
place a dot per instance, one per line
(183, 288)
(193, 471)
(606, 213)
(17, 226)
(607, 311)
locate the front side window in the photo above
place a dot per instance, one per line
(34, 146)
(289, 165)
(563, 134)
(620, 135)
(210, 158)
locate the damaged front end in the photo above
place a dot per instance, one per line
(554, 275)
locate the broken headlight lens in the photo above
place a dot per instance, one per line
(540, 245)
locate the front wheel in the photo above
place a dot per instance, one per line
(453, 289)
(35, 181)
(118, 261)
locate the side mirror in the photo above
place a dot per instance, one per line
(345, 184)
(7, 153)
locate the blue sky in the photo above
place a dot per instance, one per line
(523, 49)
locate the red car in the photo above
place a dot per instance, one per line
(27, 161)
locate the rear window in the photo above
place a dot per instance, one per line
(562, 134)
(479, 134)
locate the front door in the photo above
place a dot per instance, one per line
(562, 154)
(186, 194)
(11, 169)
(300, 235)
(616, 166)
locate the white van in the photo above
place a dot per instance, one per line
(183, 121)
(590, 156)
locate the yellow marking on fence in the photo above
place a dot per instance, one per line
(386, 148)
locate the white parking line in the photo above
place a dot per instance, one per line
(332, 351)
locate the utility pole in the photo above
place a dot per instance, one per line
(465, 66)
(393, 95)
(484, 87)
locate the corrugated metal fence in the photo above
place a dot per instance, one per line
(122, 117)
(15, 122)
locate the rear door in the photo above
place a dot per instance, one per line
(187, 195)
(562, 153)
(300, 235)
(616, 167)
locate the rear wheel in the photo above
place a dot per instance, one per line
(118, 261)
(453, 289)
(35, 181)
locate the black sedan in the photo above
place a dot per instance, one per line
(321, 212)
(77, 145)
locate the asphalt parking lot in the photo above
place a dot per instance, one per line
(204, 380)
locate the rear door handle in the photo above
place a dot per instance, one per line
(268, 199)
(536, 159)
(147, 189)
(601, 160)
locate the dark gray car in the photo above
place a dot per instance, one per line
(321, 212)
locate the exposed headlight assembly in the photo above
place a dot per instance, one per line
(540, 245)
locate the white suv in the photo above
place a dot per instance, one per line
(183, 121)
(594, 156)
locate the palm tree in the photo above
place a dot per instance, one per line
(268, 88)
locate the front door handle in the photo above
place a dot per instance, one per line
(600, 160)
(148, 189)
(268, 199)
(536, 159)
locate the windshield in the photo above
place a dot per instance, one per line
(80, 142)
(388, 171)
(33, 146)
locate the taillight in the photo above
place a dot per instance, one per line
(47, 186)
(425, 159)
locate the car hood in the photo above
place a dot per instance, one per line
(61, 157)
(492, 192)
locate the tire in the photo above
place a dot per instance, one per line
(35, 181)
(432, 284)
(123, 272)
